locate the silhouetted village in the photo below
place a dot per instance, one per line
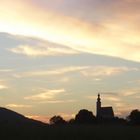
(104, 115)
(85, 125)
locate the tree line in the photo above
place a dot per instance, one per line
(87, 117)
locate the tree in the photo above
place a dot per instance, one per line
(71, 121)
(134, 117)
(57, 120)
(85, 117)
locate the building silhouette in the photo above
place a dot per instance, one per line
(103, 112)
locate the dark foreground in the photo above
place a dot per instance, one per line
(69, 132)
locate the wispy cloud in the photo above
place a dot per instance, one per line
(18, 106)
(129, 91)
(94, 71)
(134, 81)
(34, 51)
(45, 95)
(105, 70)
(56, 71)
(59, 101)
(106, 97)
(3, 87)
(124, 111)
(6, 70)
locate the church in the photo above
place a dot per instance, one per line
(103, 112)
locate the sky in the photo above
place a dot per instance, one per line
(55, 56)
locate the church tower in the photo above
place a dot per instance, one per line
(98, 106)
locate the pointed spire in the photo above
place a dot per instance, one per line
(98, 106)
(98, 97)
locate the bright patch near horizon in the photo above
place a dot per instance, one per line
(110, 37)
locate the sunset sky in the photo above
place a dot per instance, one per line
(56, 55)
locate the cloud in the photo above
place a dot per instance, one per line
(6, 70)
(119, 104)
(129, 91)
(134, 81)
(94, 71)
(56, 71)
(137, 97)
(124, 111)
(113, 99)
(114, 32)
(107, 98)
(59, 101)
(18, 106)
(105, 70)
(3, 87)
(42, 51)
(64, 79)
(45, 95)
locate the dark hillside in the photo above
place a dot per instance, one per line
(9, 117)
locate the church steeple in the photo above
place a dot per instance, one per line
(99, 99)
(98, 106)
